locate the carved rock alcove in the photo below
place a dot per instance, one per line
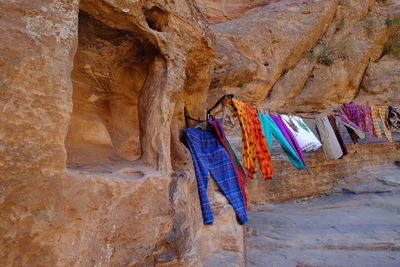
(86, 122)
(110, 67)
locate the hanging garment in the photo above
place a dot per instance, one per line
(353, 114)
(381, 112)
(238, 165)
(353, 135)
(342, 117)
(271, 129)
(306, 139)
(248, 150)
(292, 125)
(330, 144)
(262, 152)
(366, 120)
(361, 116)
(361, 121)
(375, 118)
(332, 121)
(288, 136)
(209, 156)
(219, 131)
(394, 118)
(302, 124)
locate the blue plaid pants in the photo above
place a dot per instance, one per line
(209, 156)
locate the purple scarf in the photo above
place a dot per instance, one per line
(361, 116)
(288, 136)
(353, 111)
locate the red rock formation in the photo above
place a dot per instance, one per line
(302, 55)
(221, 11)
(92, 166)
(78, 198)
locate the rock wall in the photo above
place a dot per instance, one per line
(91, 91)
(288, 182)
(302, 56)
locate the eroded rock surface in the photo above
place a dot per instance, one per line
(70, 193)
(302, 56)
(93, 169)
(221, 11)
(385, 178)
(381, 82)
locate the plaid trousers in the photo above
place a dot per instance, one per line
(209, 156)
(216, 127)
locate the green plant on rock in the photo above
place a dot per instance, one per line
(371, 22)
(338, 49)
(340, 25)
(322, 41)
(240, 85)
(392, 47)
(383, 1)
(391, 21)
(312, 55)
(327, 57)
(343, 46)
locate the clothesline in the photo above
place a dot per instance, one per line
(357, 119)
(230, 96)
(212, 153)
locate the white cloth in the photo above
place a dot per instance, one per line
(306, 139)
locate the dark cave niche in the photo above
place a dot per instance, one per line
(110, 69)
(156, 18)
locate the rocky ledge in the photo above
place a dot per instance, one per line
(357, 225)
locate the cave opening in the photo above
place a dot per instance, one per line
(156, 18)
(109, 71)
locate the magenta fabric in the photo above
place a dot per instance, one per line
(366, 118)
(343, 116)
(362, 117)
(353, 113)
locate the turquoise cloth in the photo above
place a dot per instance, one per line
(270, 129)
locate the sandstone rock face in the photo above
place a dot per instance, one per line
(253, 51)
(288, 182)
(93, 171)
(304, 55)
(221, 11)
(381, 82)
(163, 60)
(87, 87)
